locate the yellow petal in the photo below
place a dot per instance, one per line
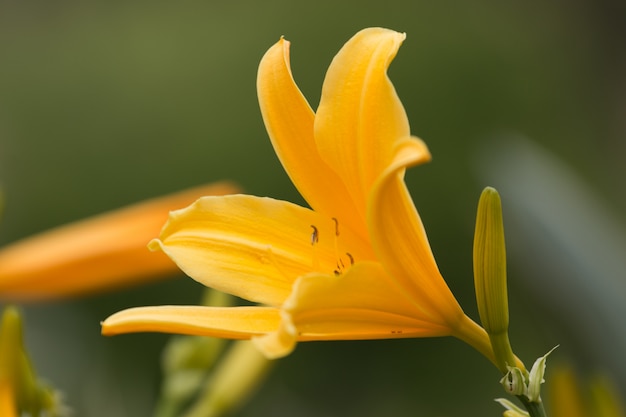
(8, 408)
(362, 303)
(289, 122)
(98, 253)
(254, 247)
(279, 343)
(360, 117)
(226, 322)
(400, 241)
(401, 245)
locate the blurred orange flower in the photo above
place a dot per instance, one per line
(98, 253)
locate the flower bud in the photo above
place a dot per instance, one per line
(490, 263)
(514, 381)
(490, 276)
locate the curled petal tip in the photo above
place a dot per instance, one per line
(155, 245)
(279, 343)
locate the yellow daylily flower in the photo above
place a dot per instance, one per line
(101, 252)
(357, 265)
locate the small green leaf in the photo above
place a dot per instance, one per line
(535, 378)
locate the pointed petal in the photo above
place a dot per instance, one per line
(98, 253)
(289, 122)
(360, 117)
(400, 240)
(225, 322)
(8, 408)
(362, 303)
(253, 247)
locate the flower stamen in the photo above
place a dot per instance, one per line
(341, 266)
(315, 237)
(336, 226)
(336, 248)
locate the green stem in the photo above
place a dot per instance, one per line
(502, 351)
(471, 333)
(535, 409)
(238, 374)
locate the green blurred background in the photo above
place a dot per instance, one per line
(104, 103)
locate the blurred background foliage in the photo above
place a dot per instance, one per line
(104, 103)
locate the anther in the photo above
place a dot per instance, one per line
(314, 236)
(336, 226)
(351, 258)
(340, 264)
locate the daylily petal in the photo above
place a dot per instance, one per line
(98, 253)
(400, 241)
(401, 245)
(289, 122)
(360, 117)
(362, 303)
(8, 408)
(225, 322)
(281, 342)
(254, 247)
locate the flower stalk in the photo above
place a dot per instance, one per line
(490, 283)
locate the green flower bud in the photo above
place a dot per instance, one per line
(514, 382)
(490, 276)
(490, 264)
